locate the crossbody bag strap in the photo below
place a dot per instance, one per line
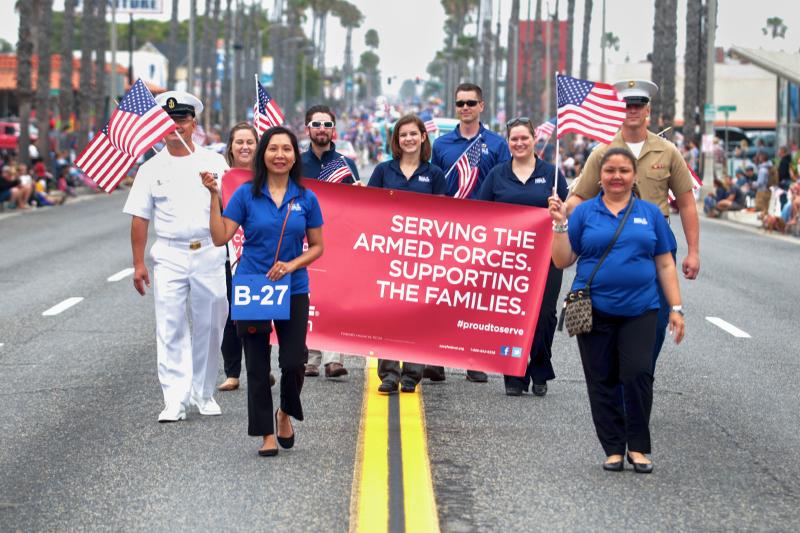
(612, 243)
(283, 229)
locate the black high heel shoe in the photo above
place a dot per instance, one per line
(268, 452)
(640, 468)
(285, 442)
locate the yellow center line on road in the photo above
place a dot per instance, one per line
(370, 494)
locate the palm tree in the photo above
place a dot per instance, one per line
(27, 12)
(570, 33)
(66, 97)
(172, 45)
(665, 38)
(775, 26)
(227, 70)
(350, 18)
(86, 78)
(368, 63)
(694, 71)
(534, 74)
(555, 55)
(45, 8)
(587, 25)
(100, 34)
(512, 65)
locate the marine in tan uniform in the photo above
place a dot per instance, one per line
(660, 168)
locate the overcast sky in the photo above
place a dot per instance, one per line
(411, 30)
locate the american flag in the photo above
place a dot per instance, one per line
(467, 169)
(544, 131)
(427, 117)
(136, 124)
(697, 183)
(335, 171)
(266, 112)
(591, 108)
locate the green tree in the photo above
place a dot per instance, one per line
(6, 46)
(66, 96)
(587, 25)
(350, 18)
(665, 40)
(694, 69)
(371, 39)
(776, 27)
(27, 18)
(570, 36)
(45, 8)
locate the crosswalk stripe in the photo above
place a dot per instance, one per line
(730, 328)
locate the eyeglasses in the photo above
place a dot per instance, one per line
(517, 121)
(321, 124)
(468, 103)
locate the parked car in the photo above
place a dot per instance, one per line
(9, 135)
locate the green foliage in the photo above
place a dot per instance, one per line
(368, 62)
(6, 46)
(349, 15)
(371, 39)
(610, 40)
(775, 26)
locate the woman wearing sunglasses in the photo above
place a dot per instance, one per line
(528, 180)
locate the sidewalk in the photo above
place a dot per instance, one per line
(82, 194)
(748, 221)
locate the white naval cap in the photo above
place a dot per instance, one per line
(636, 91)
(180, 103)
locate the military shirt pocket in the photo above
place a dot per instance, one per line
(162, 200)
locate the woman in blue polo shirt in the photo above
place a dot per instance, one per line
(528, 180)
(618, 350)
(409, 170)
(276, 213)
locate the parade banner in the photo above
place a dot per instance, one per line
(231, 181)
(428, 279)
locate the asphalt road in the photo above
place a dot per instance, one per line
(81, 449)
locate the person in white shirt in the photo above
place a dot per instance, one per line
(188, 269)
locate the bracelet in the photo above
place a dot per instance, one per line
(560, 228)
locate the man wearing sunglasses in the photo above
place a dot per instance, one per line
(449, 148)
(320, 125)
(660, 169)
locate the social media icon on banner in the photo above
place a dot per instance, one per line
(516, 351)
(505, 350)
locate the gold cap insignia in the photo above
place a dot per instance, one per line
(631, 83)
(171, 103)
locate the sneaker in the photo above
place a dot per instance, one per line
(172, 414)
(335, 370)
(312, 371)
(388, 387)
(206, 406)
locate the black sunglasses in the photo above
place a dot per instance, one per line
(321, 124)
(517, 121)
(468, 103)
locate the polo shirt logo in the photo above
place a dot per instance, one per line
(425, 179)
(484, 149)
(296, 207)
(540, 180)
(640, 220)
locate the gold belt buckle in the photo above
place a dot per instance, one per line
(195, 245)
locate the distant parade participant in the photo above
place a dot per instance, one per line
(408, 170)
(188, 269)
(448, 149)
(320, 127)
(660, 168)
(528, 180)
(276, 213)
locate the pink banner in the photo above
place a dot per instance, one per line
(428, 279)
(231, 181)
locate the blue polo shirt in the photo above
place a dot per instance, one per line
(502, 185)
(262, 221)
(449, 147)
(312, 165)
(426, 179)
(625, 284)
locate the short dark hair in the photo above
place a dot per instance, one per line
(229, 145)
(469, 87)
(425, 149)
(618, 150)
(319, 109)
(295, 173)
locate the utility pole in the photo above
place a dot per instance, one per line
(711, 56)
(603, 47)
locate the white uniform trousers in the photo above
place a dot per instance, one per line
(188, 361)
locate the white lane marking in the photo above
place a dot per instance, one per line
(730, 328)
(122, 274)
(63, 306)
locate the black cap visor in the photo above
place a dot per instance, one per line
(637, 100)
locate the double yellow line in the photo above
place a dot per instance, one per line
(375, 502)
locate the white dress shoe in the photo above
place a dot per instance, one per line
(207, 406)
(172, 414)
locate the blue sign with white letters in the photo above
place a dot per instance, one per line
(256, 297)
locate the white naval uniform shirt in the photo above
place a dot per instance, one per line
(169, 192)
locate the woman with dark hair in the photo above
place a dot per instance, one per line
(623, 248)
(409, 170)
(276, 213)
(528, 180)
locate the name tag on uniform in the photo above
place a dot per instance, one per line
(256, 297)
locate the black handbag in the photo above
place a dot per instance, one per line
(577, 310)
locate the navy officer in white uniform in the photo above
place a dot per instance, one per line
(188, 270)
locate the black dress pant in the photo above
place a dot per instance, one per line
(619, 351)
(540, 369)
(292, 357)
(231, 344)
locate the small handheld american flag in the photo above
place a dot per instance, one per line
(467, 169)
(335, 171)
(427, 117)
(136, 124)
(591, 108)
(266, 112)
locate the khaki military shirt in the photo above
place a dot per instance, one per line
(659, 168)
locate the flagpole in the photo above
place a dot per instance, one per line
(555, 172)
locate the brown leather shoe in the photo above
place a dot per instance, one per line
(335, 370)
(271, 380)
(229, 384)
(312, 371)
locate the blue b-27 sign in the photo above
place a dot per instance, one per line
(255, 297)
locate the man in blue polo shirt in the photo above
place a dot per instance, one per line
(320, 125)
(449, 148)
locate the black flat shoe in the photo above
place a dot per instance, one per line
(284, 442)
(617, 466)
(540, 389)
(641, 468)
(269, 452)
(512, 390)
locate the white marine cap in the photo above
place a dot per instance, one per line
(636, 91)
(180, 103)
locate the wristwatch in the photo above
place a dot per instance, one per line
(677, 309)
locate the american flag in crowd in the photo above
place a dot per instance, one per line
(697, 183)
(136, 124)
(335, 171)
(544, 130)
(467, 168)
(591, 108)
(427, 117)
(266, 113)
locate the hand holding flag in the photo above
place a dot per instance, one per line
(335, 171)
(266, 112)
